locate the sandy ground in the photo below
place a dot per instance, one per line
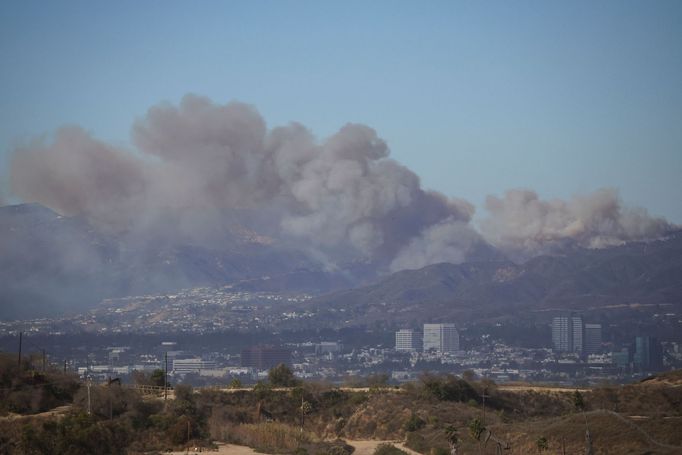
(223, 449)
(367, 447)
(61, 410)
(361, 448)
(544, 389)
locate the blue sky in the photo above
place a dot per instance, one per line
(475, 97)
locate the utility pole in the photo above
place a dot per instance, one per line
(165, 380)
(20, 334)
(89, 403)
(588, 437)
(188, 434)
(64, 366)
(484, 396)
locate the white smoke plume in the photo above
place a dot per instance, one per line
(342, 196)
(448, 241)
(523, 225)
(77, 174)
(202, 169)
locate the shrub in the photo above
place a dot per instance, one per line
(388, 449)
(448, 388)
(270, 437)
(414, 423)
(282, 376)
(416, 442)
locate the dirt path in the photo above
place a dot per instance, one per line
(368, 447)
(61, 410)
(223, 449)
(361, 448)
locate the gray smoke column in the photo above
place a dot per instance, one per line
(203, 173)
(448, 241)
(76, 174)
(343, 197)
(523, 225)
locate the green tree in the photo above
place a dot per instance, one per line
(235, 383)
(261, 390)
(414, 423)
(578, 401)
(476, 430)
(542, 444)
(282, 376)
(158, 378)
(453, 438)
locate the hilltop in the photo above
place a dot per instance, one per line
(632, 419)
(638, 274)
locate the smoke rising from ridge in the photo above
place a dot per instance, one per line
(204, 168)
(343, 196)
(523, 225)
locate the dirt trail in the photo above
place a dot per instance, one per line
(231, 449)
(61, 410)
(361, 448)
(367, 447)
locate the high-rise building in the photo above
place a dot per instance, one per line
(578, 330)
(648, 354)
(567, 333)
(407, 340)
(562, 334)
(443, 338)
(328, 347)
(265, 357)
(192, 365)
(621, 358)
(592, 339)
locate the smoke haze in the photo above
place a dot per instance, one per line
(523, 225)
(201, 168)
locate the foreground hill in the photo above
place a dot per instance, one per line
(633, 419)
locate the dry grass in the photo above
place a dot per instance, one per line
(270, 437)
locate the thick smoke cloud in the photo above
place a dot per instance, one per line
(79, 175)
(343, 197)
(203, 173)
(448, 241)
(523, 225)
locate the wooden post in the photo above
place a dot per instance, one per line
(165, 380)
(485, 395)
(20, 335)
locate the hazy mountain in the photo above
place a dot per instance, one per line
(642, 272)
(50, 264)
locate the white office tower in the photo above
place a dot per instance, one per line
(577, 323)
(592, 338)
(567, 333)
(406, 340)
(443, 338)
(561, 335)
